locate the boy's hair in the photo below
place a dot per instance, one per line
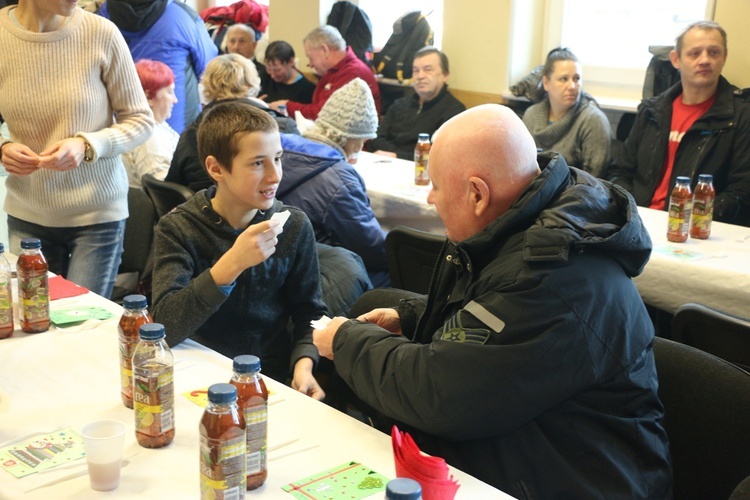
(224, 125)
(279, 51)
(154, 76)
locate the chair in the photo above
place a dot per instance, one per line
(165, 195)
(716, 332)
(137, 243)
(706, 416)
(411, 256)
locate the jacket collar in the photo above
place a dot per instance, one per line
(722, 109)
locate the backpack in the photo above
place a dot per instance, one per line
(411, 32)
(218, 19)
(354, 25)
(660, 74)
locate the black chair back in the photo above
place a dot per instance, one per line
(165, 195)
(716, 332)
(411, 256)
(707, 417)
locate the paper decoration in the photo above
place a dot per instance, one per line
(42, 452)
(351, 480)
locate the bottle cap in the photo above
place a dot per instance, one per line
(705, 178)
(246, 363)
(222, 393)
(424, 137)
(31, 243)
(134, 302)
(151, 331)
(683, 180)
(403, 488)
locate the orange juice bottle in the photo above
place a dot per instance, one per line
(680, 207)
(703, 207)
(134, 315)
(252, 398)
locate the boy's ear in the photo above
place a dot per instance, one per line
(214, 168)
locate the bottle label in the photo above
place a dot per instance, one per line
(223, 472)
(153, 398)
(33, 291)
(6, 304)
(679, 216)
(256, 422)
(703, 211)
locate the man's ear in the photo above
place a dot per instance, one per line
(214, 168)
(479, 195)
(674, 57)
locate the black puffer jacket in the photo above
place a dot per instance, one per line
(718, 143)
(531, 366)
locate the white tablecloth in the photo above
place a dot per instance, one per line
(394, 197)
(714, 272)
(66, 377)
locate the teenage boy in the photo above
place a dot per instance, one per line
(225, 272)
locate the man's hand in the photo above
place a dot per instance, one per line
(253, 246)
(19, 159)
(386, 318)
(323, 338)
(275, 104)
(63, 155)
(304, 381)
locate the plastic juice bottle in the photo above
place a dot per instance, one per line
(680, 206)
(6, 296)
(135, 315)
(252, 398)
(421, 160)
(703, 207)
(223, 452)
(153, 388)
(403, 488)
(33, 287)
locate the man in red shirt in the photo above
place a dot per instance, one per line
(699, 126)
(336, 65)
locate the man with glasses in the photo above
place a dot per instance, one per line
(283, 80)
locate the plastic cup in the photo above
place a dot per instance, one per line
(103, 441)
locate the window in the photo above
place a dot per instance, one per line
(611, 39)
(383, 13)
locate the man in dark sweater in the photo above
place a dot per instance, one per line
(420, 113)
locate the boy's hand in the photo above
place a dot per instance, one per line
(253, 246)
(304, 381)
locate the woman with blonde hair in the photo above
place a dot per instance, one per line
(227, 77)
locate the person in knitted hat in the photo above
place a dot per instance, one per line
(319, 179)
(347, 120)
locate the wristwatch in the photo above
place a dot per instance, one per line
(88, 155)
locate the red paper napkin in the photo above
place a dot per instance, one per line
(60, 288)
(431, 473)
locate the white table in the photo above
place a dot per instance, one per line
(394, 197)
(718, 278)
(66, 377)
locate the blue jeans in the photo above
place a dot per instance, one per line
(86, 255)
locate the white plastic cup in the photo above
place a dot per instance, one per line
(103, 441)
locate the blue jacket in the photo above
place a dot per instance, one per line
(170, 32)
(318, 179)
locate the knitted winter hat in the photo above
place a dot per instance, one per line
(350, 112)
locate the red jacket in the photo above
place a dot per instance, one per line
(349, 68)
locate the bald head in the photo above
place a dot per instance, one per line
(484, 158)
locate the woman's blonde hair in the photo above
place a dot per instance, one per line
(230, 76)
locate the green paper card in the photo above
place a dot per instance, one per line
(63, 317)
(351, 480)
(42, 452)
